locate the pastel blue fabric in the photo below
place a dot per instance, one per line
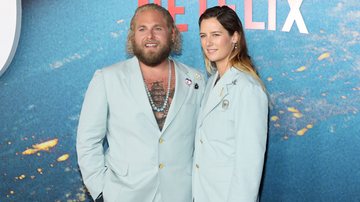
(141, 162)
(230, 140)
(312, 81)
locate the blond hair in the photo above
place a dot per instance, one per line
(175, 43)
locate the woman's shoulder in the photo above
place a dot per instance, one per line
(245, 79)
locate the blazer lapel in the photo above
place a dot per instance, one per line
(137, 89)
(181, 90)
(215, 94)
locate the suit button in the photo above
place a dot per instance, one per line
(197, 166)
(161, 140)
(161, 166)
(201, 141)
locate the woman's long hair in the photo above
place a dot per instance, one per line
(239, 57)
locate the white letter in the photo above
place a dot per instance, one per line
(295, 15)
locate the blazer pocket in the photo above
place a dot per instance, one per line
(120, 169)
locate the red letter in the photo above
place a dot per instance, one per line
(203, 5)
(173, 10)
(143, 2)
(223, 2)
(249, 24)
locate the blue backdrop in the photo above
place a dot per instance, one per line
(313, 81)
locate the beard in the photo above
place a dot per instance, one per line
(152, 58)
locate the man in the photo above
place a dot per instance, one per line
(146, 107)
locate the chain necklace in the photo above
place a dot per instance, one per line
(163, 107)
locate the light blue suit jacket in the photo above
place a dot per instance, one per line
(142, 163)
(230, 139)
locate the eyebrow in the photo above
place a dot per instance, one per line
(214, 32)
(156, 25)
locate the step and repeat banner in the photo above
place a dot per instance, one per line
(306, 51)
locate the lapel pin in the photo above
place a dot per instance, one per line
(196, 86)
(221, 92)
(188, 81)
(225, 104)
(197, 76)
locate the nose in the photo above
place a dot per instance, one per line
(150, 34)
(208, 41)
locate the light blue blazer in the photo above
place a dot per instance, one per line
(230, 139)
(142, 163)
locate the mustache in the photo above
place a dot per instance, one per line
(151, 41)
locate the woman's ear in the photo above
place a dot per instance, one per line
(235, 37)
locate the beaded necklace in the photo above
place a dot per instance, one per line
(163, 107)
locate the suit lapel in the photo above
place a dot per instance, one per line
(181, 90)
(217, 93)
(137, 89)
(209, 85)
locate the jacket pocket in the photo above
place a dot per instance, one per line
(119, 168)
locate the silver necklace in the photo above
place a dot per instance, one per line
(163, 107)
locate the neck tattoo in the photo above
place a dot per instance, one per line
(163, 107)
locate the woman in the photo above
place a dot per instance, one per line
(232, 126)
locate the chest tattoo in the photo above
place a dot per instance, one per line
(158, 91)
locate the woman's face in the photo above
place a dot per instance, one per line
(216, 41)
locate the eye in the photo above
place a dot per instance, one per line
(202, 35)
(158, 29)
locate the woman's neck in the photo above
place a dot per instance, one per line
(222, 67)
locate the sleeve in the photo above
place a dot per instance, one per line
(251, 136)
(90, 135)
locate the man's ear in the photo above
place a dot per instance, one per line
(173, 35)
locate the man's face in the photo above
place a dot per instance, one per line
(152, 38)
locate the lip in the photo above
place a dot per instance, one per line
(210, 51)
(151, 45)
